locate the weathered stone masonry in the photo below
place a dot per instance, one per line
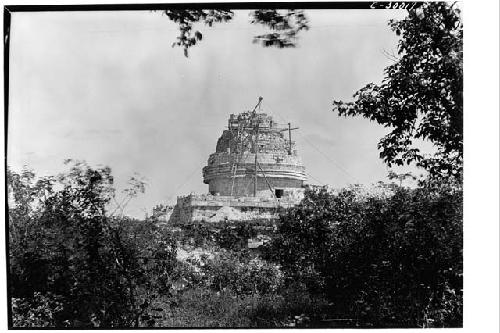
(231, 169)
(255, 169)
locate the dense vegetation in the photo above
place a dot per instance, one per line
(421, 95)
(387, 260)
(382, 259)
(71, 264)
(283, 25)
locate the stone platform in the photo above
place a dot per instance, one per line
(196, 208)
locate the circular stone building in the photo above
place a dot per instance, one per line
(255, 157)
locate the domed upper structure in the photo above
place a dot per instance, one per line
(255, 156)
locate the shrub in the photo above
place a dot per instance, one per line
(392, 261)
(203, 307)
(38, 311)
(62, 242)
(228, 271)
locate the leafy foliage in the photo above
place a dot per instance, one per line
(64, 247)
(198, 234)
(388, 262)
(234, 235)
(201, 307)
(187, 17)
(390, 258)
(401, 176)
(39, 311)
(421, 96)
(240, 274)
(285, 25)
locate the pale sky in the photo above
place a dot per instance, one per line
(108, 88)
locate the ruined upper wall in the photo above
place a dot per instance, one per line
(241, 132)
(254, 157)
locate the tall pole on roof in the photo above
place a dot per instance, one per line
(258, 104)
(255, 124)
(256, 151)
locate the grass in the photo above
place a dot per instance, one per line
(199, 307)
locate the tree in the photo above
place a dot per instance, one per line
(187, 17)
(284, 25)
(386, 261)
(421, 94)
(401, 176)
(66, 253)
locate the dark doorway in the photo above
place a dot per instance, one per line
(279, 193)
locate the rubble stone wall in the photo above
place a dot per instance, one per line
(281, 171)
(244, 186)
(203, 208)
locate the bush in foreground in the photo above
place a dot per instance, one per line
(386, 261)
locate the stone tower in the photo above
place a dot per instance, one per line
(255, 157)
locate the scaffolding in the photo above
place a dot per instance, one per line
(247, 131)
